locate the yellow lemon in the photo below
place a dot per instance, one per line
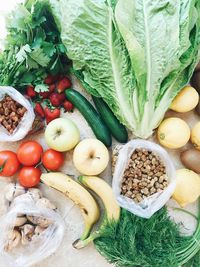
(187, 188)
(186, 100)
(173, 133)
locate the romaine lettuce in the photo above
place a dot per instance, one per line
(135, 54)
(163, 41)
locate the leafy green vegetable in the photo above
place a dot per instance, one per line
(162, 59)
(97, 49)
(33, 46)
(135, 54)
(137, 242)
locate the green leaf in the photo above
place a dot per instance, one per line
(22, 55)
(31, 64)
(49, 49)
(61, 48)
(161, 68)
(39, 38)
(19, 18)
(38, 20)
(40, 88)
(39, 56)
(27, 78)
(97, 49)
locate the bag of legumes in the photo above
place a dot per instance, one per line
(16, 115)
(143, 177)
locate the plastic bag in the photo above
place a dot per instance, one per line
(40, 247)
(151, 204)
(27, 120)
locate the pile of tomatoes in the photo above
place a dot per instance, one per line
(27, 161)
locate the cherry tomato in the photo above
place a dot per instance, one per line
(52, 160)
(29, 176)
(9, 164)
(29, 153)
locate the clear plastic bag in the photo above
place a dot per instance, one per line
(40, 247)
(27, 120)
(149, 205)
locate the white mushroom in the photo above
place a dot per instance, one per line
(39, 230)
(41, 221)
(14, 238)
(46, 203)
(35, 193)
(27, 232)
(13, 190)
(20, 221)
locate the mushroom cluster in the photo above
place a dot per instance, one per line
(26, 227)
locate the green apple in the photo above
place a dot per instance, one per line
(90, 157)
(62, 134)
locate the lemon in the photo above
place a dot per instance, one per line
(195, 135)
(186, 100)
(187, 188)
(173, 133)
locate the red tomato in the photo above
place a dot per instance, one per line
(9, 164)
(29, 176)
(29, 153)
(52, 160)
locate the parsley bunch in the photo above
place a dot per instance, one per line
(33, 46)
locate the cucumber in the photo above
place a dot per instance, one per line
(117, 130)
(98, 126)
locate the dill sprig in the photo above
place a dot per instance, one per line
(156, 242)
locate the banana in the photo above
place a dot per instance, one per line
(104, 191)
(78, 194)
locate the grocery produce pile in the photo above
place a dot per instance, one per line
(137, 60)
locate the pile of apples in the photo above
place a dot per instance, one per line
(90, 156)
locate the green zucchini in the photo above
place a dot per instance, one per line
(117, 130)
(98, 126)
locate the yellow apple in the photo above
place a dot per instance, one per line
(62, 134)
(90, 157)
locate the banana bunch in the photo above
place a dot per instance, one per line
(80, 196)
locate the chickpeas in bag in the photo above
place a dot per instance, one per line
(143, 179)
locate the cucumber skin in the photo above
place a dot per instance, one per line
(90, 114)
(117, 130)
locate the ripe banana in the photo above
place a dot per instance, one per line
(104, 191)
(78, 194)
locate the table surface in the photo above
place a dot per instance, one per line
(67, 256)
